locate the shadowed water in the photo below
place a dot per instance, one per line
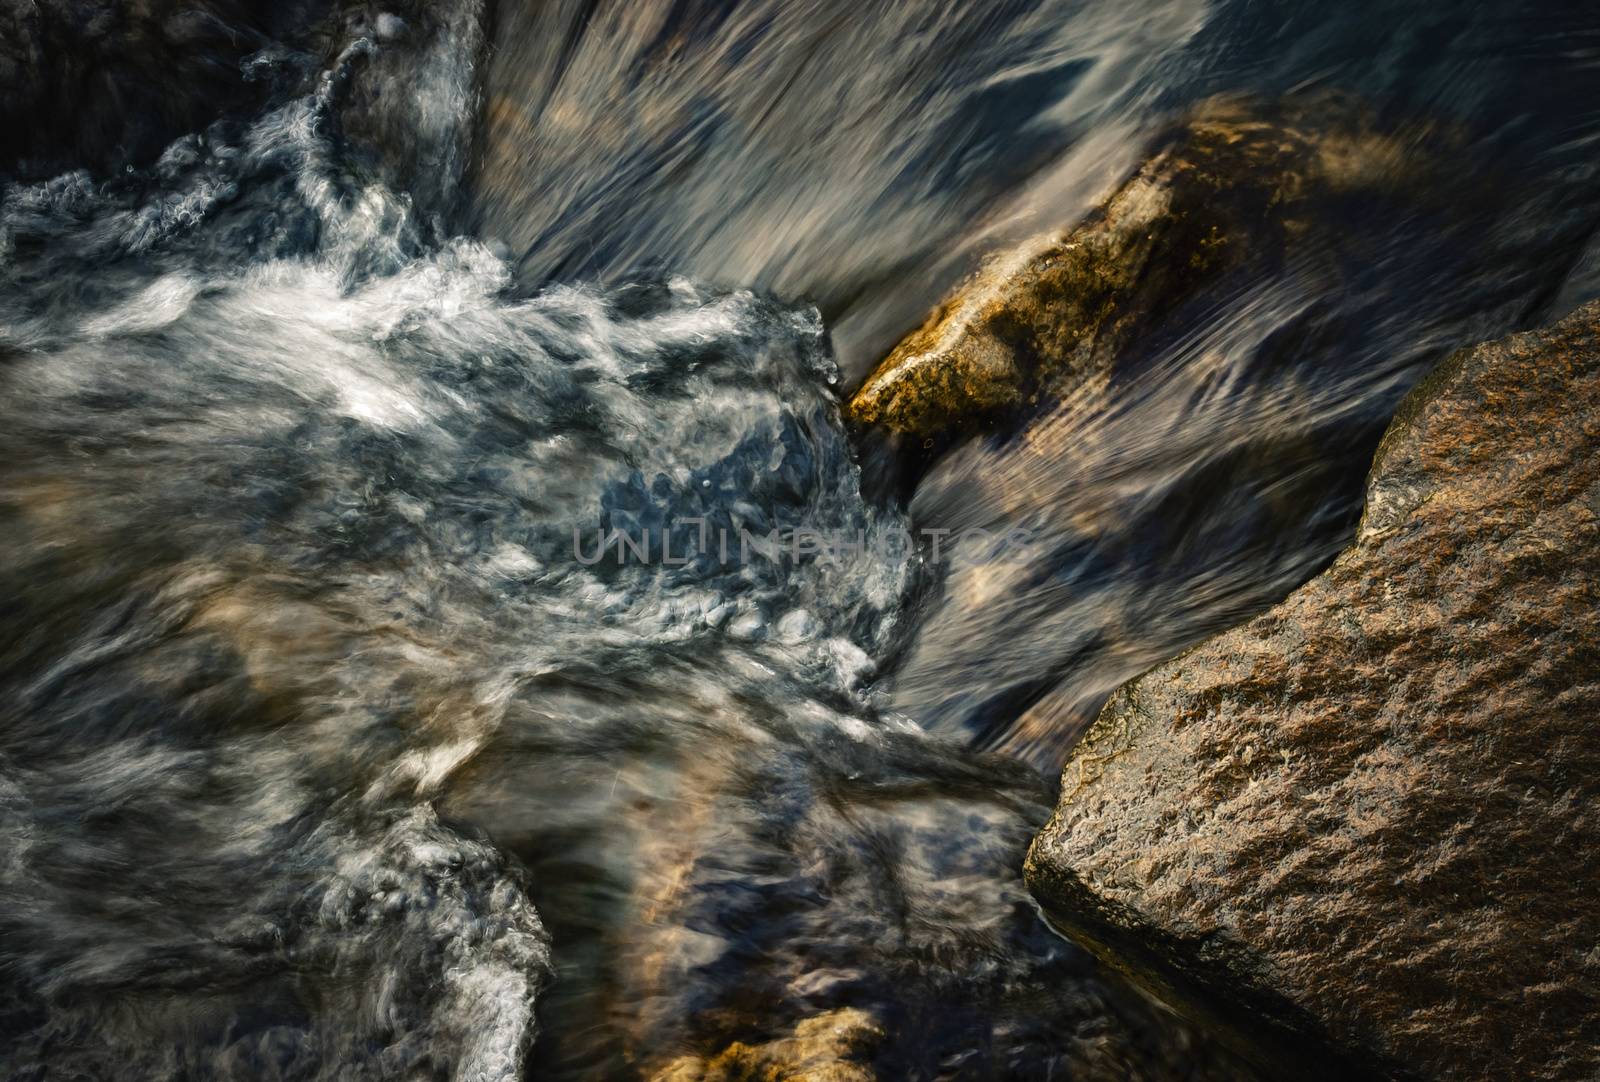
(325, 753)
(868, 156)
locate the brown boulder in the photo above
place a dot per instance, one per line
(1366, 819)
(1238, 188)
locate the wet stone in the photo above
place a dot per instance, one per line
(1239, 188)
(1362, 823)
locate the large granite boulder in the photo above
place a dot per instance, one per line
(1366, 820)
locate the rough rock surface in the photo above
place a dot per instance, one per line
(1237, 190)
(1369, 816)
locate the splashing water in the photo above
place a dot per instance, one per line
(327, 750)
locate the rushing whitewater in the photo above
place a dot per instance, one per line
(327, 753)
(308, 691)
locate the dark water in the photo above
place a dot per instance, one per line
(325, 753)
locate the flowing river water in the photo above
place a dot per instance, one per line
(328, 750)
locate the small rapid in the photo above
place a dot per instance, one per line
(329, 750)
(322, 731)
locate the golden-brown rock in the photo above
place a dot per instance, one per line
(832, 1047)
(1238, 187)
(1369, 816)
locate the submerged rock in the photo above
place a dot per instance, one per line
(1238, 189)
(1365, 819)
(832, 1047)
